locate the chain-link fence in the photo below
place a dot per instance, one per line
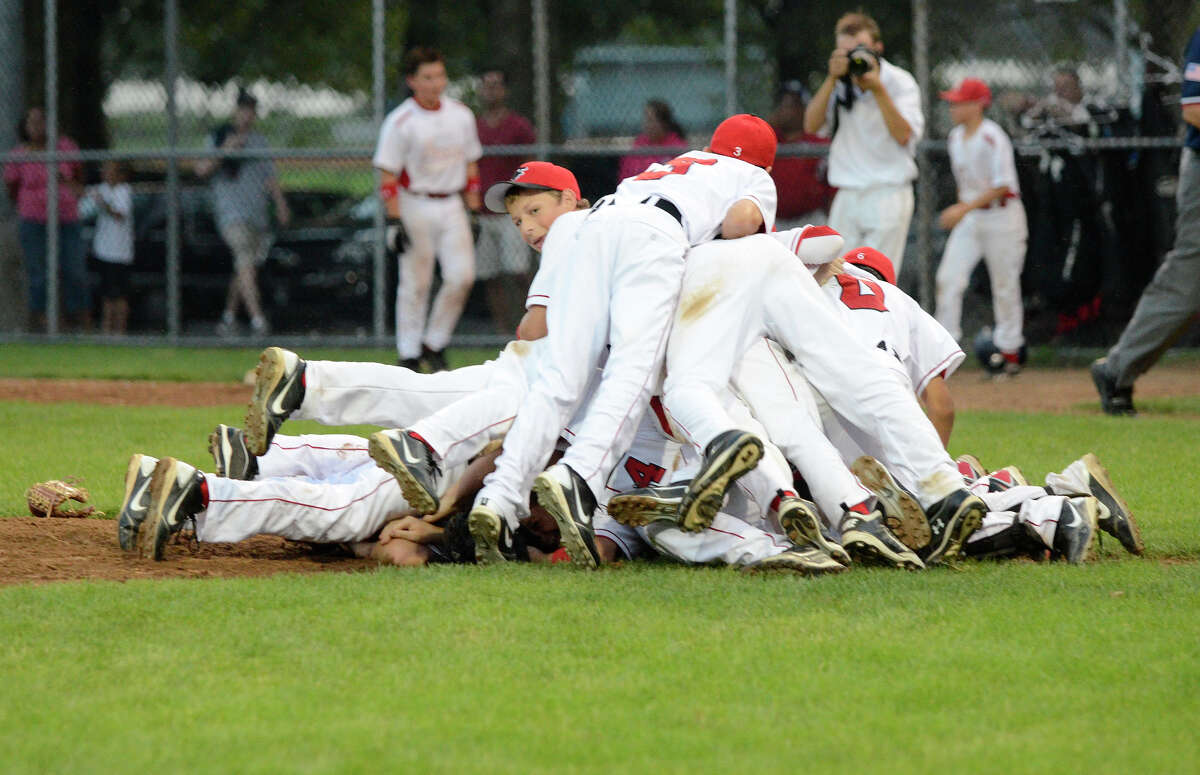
(604, 93)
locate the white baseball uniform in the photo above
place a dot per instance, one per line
(1039, 509)
(623, 263)
(872, 172)
(429, 151)
(983, 161)
(736, 291)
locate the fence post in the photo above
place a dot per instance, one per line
(730, 57)
(1121, 33)
(379, 252)
(171, 45)
(541, 76)
(927, 176)
(52, 214)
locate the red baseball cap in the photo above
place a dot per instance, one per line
(745, 137)
(536, 175)
(969, 90)
(874, 260)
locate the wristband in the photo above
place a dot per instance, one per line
(473, 185)
(389, 190)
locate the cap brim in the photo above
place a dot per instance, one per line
(493, 198)
(956, 96)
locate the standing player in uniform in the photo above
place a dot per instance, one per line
(873, 111)
(988, 219)
(427, 153)
(1169, 304)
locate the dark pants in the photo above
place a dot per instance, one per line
(71, 268)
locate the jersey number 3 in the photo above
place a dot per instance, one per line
(861, 294)
(678, 166)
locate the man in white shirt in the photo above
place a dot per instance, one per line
(873, 111)
(427, 153)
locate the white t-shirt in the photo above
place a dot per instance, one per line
(429, 149)
(553, 255)
(982, 161)
(114, 237)
(703, 186)
(863, 153)
(885, 317)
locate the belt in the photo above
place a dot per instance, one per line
(666, 205)
(431, 195)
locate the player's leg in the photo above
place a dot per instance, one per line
(316, 456)
(886, 212)
(844, 216)
(456, 258)
(1003, 236)
(415, 274)
(1088, 475)
(954, 274)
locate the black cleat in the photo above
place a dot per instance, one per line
(1075, 534)
(1115, 518)
(433, 360)
(901, 513)
(278, 391)
(802, 525)
(412, 364)
(1113, 400)
(407, 458)
(726, 458)
(806, 560)
(572, 506)
(231, 459)
(640, 507)
(870, 542)
(175, 497)
(951, 521)
(136, 504)
(492, 536)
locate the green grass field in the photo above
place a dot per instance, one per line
(994, 667)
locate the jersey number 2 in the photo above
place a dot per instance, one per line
(678, 166)
(861, 294)
(643, 474)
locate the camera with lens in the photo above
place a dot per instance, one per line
(862, 59)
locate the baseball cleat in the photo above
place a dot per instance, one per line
(175, 497)
(951, 521)
(806, 560)
(278, 391)
(411, 461)
(1113, 400)
(803, 526)
(901, 513)
(970, 468)
(1009, 476)
(726, 458)
(566, 497)
(640, 507)
(1115, 518)
(136, 504)
(870, 542)
(1075, 534)
(231, 459)
(490, 532)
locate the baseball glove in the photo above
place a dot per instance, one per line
(52, 499)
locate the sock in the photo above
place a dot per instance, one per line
(203, 493)
(863, 508)
(780, 495)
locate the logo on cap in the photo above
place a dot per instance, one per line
(520, 171)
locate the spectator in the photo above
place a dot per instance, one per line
(502, 259)
(113, 244)
(873, 113)
(240, 189)
(26, 182)
(1065, 106)
(659, 127)
(799, 180)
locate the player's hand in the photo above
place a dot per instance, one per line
(473, 200)
(412, 529)
(869, 81)
(950, 217)
(839, 63)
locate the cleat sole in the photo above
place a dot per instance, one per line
(549, 497)
(383, 452)
(706, 496)
(903, 515)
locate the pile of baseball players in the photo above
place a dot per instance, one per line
(688, 383)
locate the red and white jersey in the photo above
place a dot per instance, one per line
(429, 149)
(703, 186)
(982, 161)
(554, 254)
(885, 317)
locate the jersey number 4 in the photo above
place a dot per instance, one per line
(643, 474)
(861, 294)
(678, 166)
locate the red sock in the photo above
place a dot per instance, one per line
(781, 494)
(860, 508)
(204, 493)
(1012, 357)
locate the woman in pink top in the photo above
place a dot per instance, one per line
(659, 127)
(26, 182)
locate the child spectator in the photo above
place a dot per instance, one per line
(113, 244)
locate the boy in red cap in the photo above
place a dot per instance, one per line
(988, 220)
(611, 277)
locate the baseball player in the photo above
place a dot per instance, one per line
(427, 153)
(988, 220)
(620, 290)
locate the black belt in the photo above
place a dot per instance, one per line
(666, 205)
(433, 195)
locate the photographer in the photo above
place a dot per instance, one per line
(873, 111)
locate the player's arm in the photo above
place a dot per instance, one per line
(473, 196)
(897, 125)
(461, 491)
(742, 219)
(533, 323)
(939, 406)
(950, 217)
(282, 212)
(1191, 114)
(389, 192)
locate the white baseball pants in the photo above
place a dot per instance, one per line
(737, 291)
(877, 217)
(998, 236)
(626, 263)
(437, 228)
